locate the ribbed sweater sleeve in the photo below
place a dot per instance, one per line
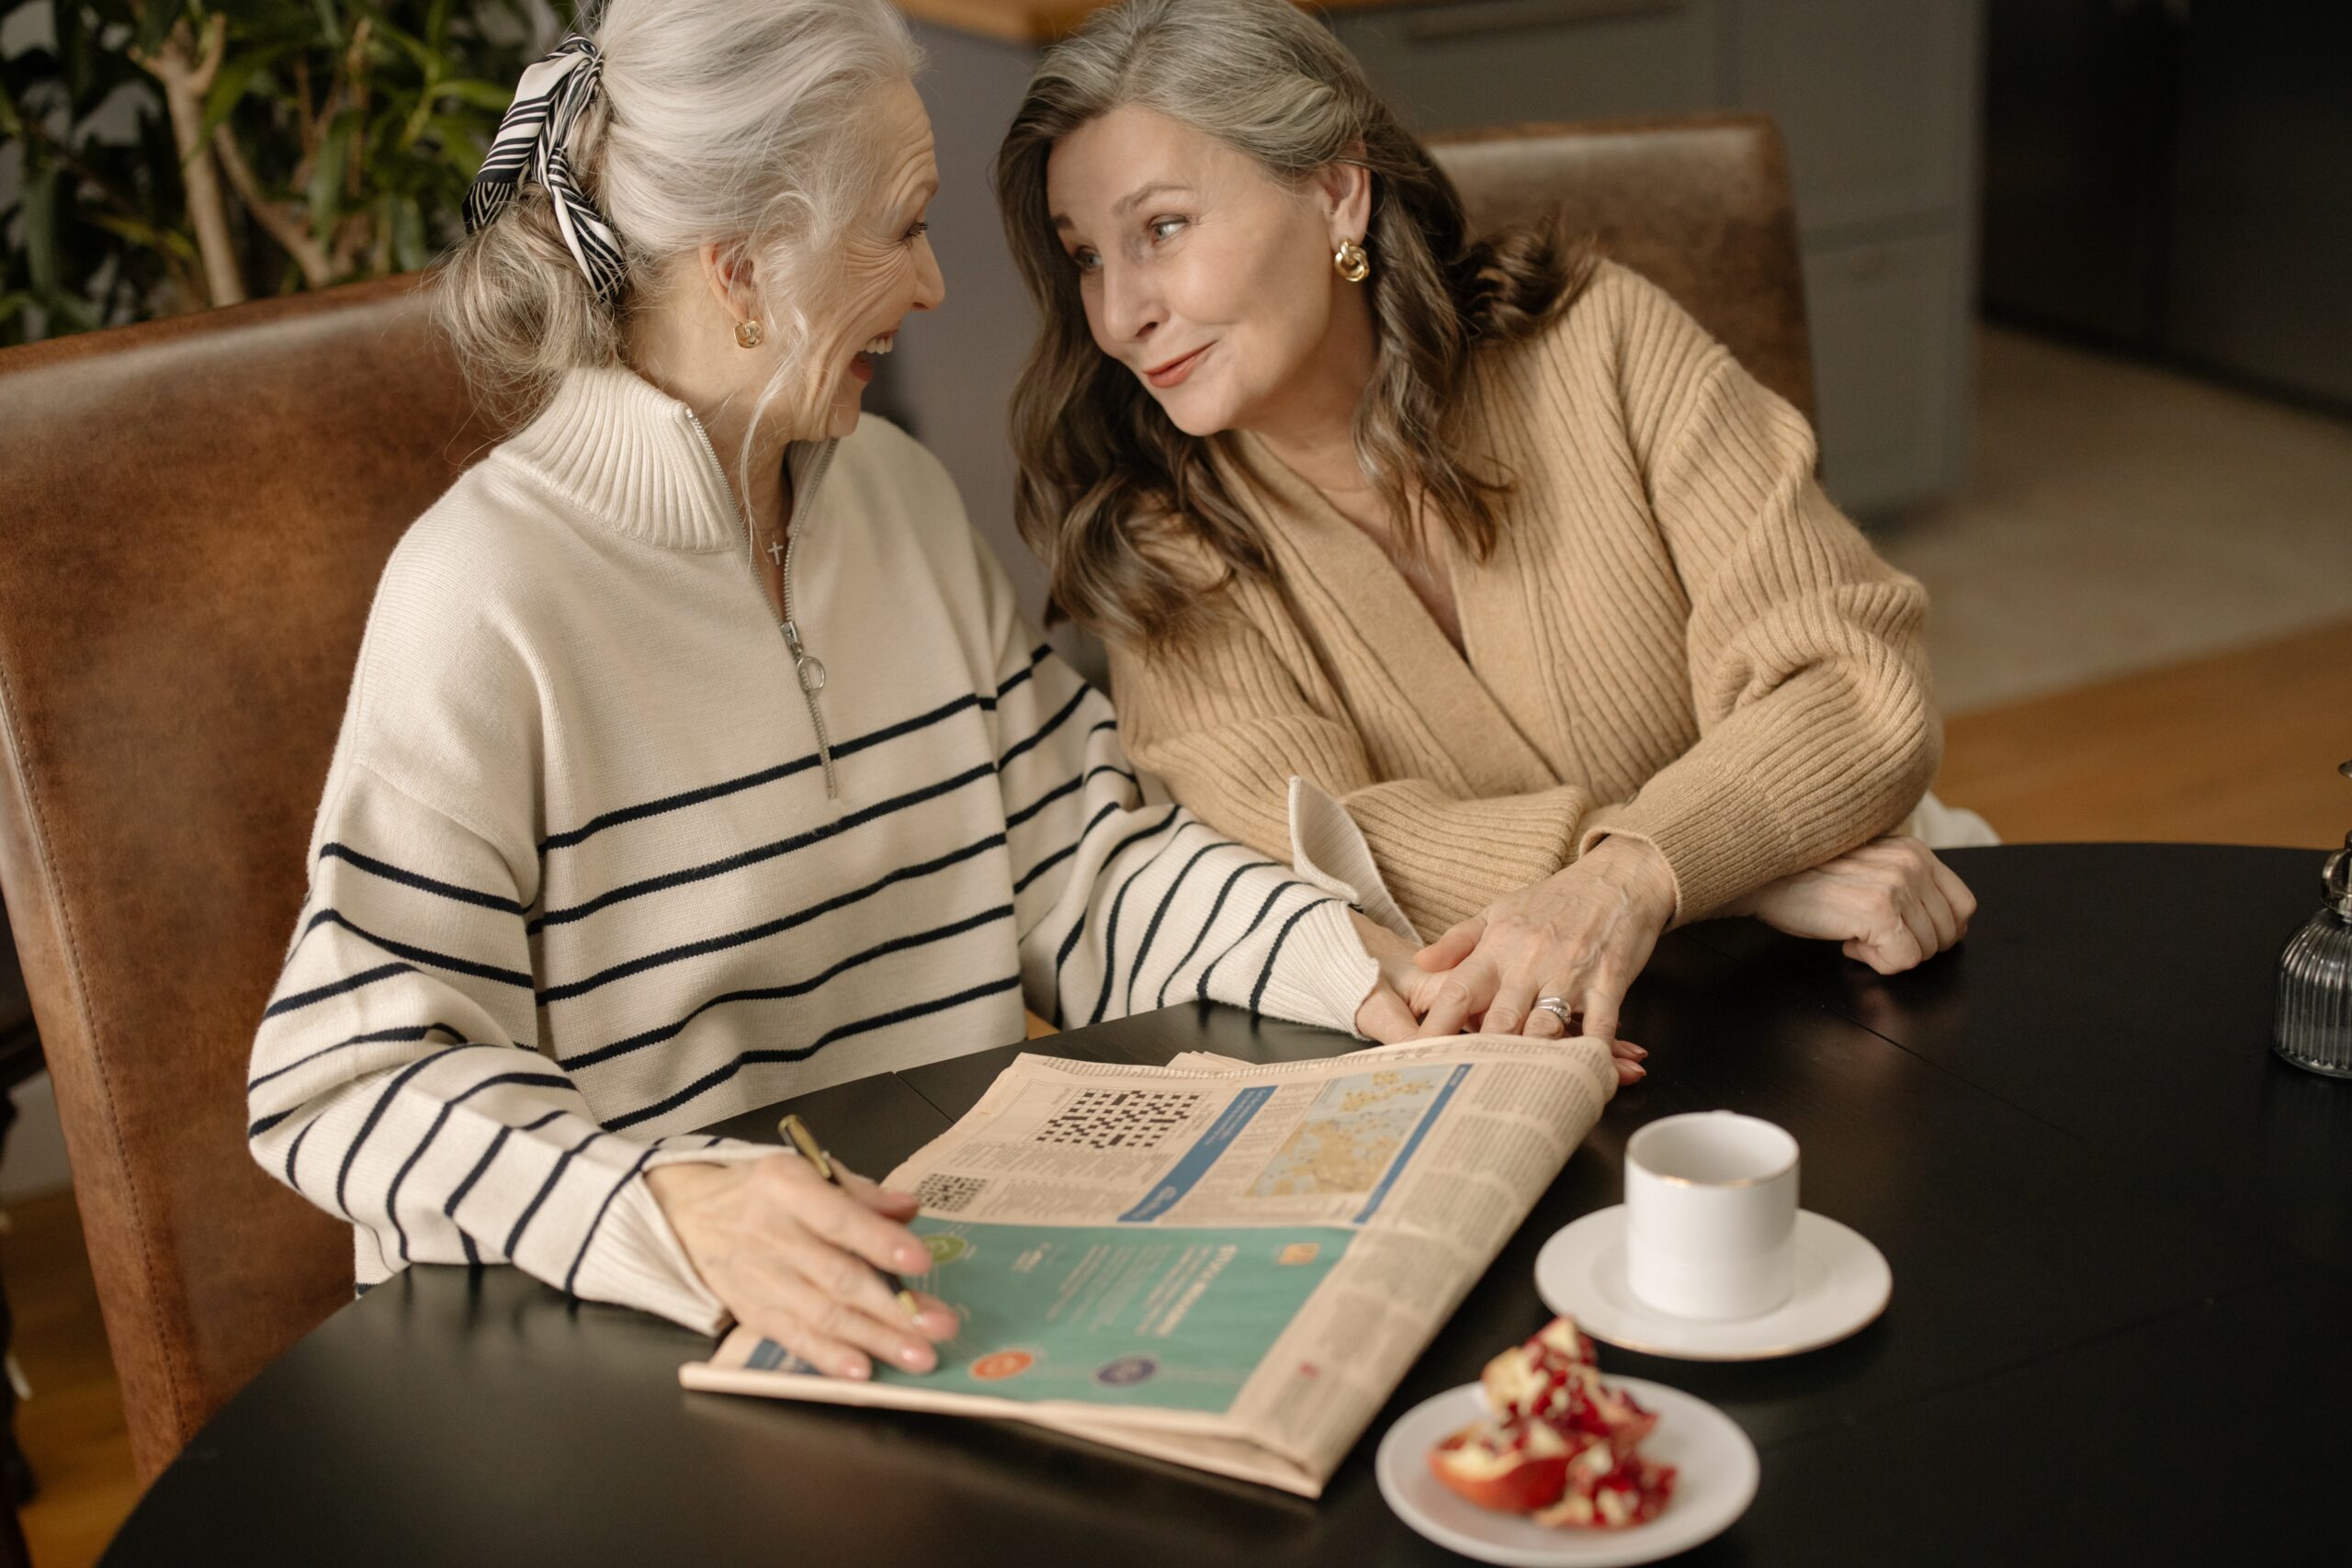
(1227, 725)
(1126, 901)
(1805, 651)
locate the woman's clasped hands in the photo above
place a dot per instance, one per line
(1580, 936)
(1577, 939)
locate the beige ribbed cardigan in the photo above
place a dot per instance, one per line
(1678, 638)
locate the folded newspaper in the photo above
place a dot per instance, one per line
(1226, 1265)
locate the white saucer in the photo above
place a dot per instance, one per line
(1843, 1283)
(1716, 1475)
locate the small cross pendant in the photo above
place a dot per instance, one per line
(776, 554)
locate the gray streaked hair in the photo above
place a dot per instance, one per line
(1104, 475)
(733, 122)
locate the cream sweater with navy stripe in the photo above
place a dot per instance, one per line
(577, 886)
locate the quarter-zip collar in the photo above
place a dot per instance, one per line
(633, 459)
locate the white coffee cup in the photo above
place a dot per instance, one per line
(1711, 1216)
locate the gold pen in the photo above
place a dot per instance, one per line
(797, 1134)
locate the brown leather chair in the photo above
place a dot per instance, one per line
(1700, 206)
(194, 515)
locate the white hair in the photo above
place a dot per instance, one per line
(730, 122)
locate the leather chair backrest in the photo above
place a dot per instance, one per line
(1699, 206)
(194, 516)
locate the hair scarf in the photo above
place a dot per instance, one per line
(530, 145)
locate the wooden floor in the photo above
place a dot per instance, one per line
(2237, 749)
(71, 1428)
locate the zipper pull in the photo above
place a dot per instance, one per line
(805, 664)
(811, 670)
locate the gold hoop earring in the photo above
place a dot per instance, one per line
(751, 334)
(1352, 261)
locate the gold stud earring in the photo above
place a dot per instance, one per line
(1352, 261)
(751, 334)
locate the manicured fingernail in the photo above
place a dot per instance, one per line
(914, 1357)
(857, 1369)
(1640, 1071)
(1639, 1054)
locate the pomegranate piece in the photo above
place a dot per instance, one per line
(1511, 1470)
(1530, 1380)
(1627, 1491)
(1552, 1377)
(1609, 1412)
(1562, 1444)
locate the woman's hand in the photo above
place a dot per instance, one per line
(1410, 1002)
(794, 1258)
(1892, 903)
(1391, 1014)
(1581, 934)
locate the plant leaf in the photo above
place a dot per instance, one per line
(325, 191)
(144, 235)
(41, 253)
(384, 30)
(74, 42)
(237, 73)
(468, 90)
(156, 20)
(409, 250)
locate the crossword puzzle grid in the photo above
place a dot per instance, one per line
(949, 1194)
(1119, 1119)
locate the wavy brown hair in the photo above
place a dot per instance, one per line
(1106, 480)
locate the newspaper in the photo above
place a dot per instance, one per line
(1227, 1265)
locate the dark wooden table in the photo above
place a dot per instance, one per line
(2121, 1330)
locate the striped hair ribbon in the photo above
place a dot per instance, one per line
(530, 145)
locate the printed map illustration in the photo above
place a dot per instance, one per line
(1350, 1133)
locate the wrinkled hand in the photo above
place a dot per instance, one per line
(1581, 934)
(1391, 1012)
(794, 1258)
(1891, 904)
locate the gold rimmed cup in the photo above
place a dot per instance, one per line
(1711, 1216)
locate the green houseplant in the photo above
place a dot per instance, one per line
(179, 154)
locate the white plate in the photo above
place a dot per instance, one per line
(1843, 1283)
(1716, 1475)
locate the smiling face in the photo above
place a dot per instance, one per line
(885, 267)
(1207, 278)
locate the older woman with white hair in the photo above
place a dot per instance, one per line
(697, 755)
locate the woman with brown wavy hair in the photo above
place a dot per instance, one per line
(1486, 536)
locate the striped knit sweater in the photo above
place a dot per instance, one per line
(577, 884)
(1677, 638)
